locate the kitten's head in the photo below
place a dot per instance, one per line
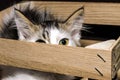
(41, 26)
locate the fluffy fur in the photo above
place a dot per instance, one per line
(31, 24)
(12, 73)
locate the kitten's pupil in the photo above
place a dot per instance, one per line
(63, 42)
(41, 41)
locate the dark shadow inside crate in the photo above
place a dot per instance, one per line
(100, 32)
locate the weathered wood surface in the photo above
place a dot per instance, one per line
(75, 61)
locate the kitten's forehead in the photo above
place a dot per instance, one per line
(55, 34)
(49, 24)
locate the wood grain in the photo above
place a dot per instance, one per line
(102, 13)
(94, 13)
(75, 61)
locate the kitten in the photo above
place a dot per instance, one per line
(28, 23)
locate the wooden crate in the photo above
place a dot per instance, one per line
(76, 61)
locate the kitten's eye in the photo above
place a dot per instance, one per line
(64, 41)
(41, 41)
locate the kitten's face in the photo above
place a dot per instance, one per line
(51, 33)
(53, 36)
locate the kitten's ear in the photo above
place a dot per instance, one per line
(75, 23)
(24, 26)
(76, 15)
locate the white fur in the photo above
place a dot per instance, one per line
(56, 35)
(22, 76)
(13, 73)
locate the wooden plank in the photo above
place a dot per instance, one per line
(116, 57)
(75, 61)
(102, 13)
(95, 13)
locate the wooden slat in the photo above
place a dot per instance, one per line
(60, 9)
(102, 13)
(75, 61)
(116, 57)
(95, 13)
